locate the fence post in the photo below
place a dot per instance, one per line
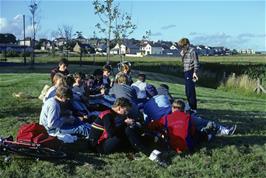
(224, 78)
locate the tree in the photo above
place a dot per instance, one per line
(33, 9)
(124, 28)
(7, 38)
(66, 32)
(79, 35)
(147, 35)
(107, 12)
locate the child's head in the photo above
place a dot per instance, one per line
(107, 70)
(164, 86)
(122, 79)
(79, 77)
(124, 67)
(63, 93)
(183, 43)
(98, 74)
(178, 105)
(70, 80)
(121, 106)
(59, 79)
(90, 81)
(63, 64)
(150, 91)
(142, 77)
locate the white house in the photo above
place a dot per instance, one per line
(117, 50)
(153, 49)
(46, 45)
(27, 42)
(246, 51)
(173, 47)
(146, 49)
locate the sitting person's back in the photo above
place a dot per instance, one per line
(163, 89)
(177, 125)
(121, 89)
(157, 106)
(140, 86)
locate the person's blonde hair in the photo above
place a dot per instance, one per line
(124, 67)
(64, 92)
(122, 79)
(183, 42)
(59, 77)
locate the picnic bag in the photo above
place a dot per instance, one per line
(36, 133)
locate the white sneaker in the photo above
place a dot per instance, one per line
(155, 156)
(226, 131)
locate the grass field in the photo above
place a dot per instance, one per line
(239, 59)
(240, 155)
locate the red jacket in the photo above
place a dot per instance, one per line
(179, 130)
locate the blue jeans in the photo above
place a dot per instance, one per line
(190, 89)
(200, 123)
(78, 128)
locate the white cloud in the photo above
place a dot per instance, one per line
(3, 23)
(156, 34)
(241, 41)
(168, 27)
(14, 26)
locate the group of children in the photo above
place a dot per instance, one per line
(121, 114)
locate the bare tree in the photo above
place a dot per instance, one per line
(66, 32)
(147, 35)
(107, 12)
(124, 27)
(33, 7)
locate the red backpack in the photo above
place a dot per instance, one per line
(179, 129)
(36, 133)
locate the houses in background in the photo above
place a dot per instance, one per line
(129, 47)
(246, 51)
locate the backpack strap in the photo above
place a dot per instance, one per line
(165, 130)
(165, 123)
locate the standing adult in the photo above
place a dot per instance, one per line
(191, 67)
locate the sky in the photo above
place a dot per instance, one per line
(239, 24)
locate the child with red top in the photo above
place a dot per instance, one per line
(106, 133)
(178, 127)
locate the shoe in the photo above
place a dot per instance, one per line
(210, 128)
(232, 130)
(155, 156)
(226, 130)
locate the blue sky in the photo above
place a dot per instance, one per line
(233, 24)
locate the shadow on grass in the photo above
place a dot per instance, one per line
(46, 68)
(248, 122)
(20, 112)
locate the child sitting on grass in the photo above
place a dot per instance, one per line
(51, 115)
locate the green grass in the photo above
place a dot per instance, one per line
(241, 155)
(239, 59)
